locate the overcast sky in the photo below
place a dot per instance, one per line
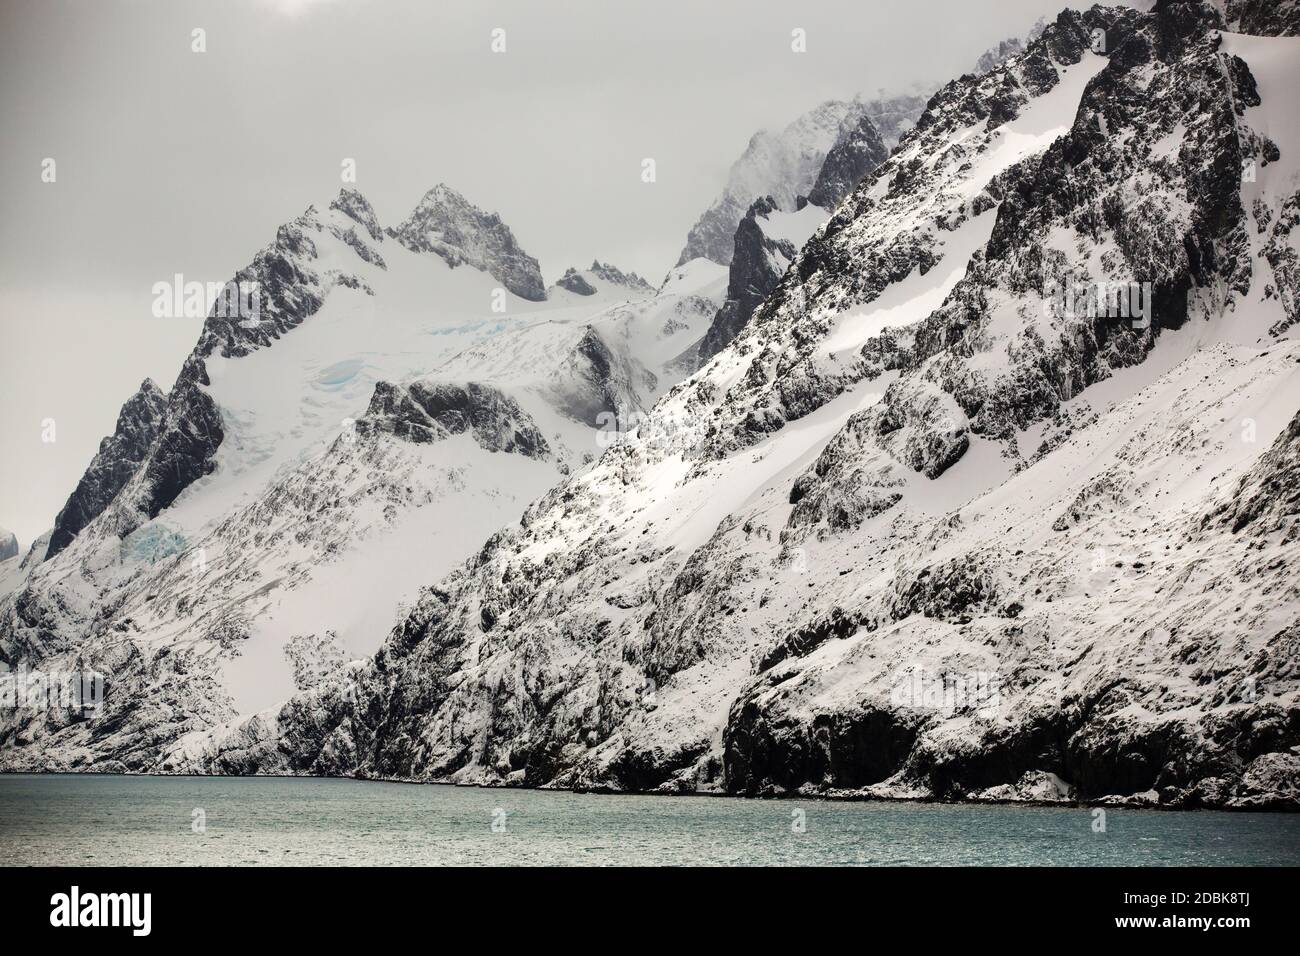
(173, 161)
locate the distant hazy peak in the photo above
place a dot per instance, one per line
(786, 165)
(783, 165)
(8, 544)
(995, 56)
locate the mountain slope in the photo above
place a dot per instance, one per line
(138, 426)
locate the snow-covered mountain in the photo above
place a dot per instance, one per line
(392, 403)
(992, 496)
(859, 149)
(924, 527)
(8, 545)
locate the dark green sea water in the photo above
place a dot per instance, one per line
(102, 820)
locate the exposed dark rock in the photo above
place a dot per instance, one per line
(355, 206)
(997, 55)
(837, 625)
(605, 275)
(594, 381)
(139, 424)
(952, 590)
(922, 426)
(786, 165)
(845, 486)
(527, 664)
(770, 753)
(1273, 18)
(574, 282)
(430, 411)
(1280, 251)
(183, 444)
(752, 277)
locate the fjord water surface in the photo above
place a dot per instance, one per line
(84, 819)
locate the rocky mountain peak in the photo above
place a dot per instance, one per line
(611, 274)
(424, 412)
(1262, 17)
(575, 283)
(450, 226)
(899, 463)
(166, 442)
(787, 165)
(603, 273)
(355, 206)
(996, 55)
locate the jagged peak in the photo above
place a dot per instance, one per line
(355, 206)
(425, 411)
(442, 195)
(573, 281)
(762, 206)
(149, 386)
(447, 224)
(578, 281)
(610, 273)
(149, 399)
(139, 422)
(1261, 17)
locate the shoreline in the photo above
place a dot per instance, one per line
(838, 797)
